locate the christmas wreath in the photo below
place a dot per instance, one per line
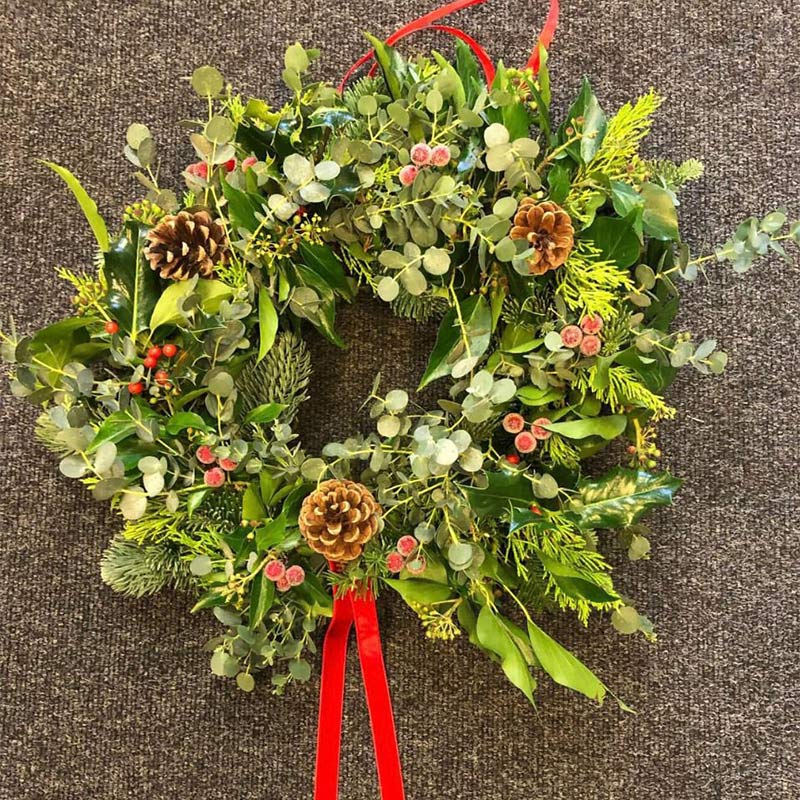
(548, 253)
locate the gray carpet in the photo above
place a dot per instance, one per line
(105, 698)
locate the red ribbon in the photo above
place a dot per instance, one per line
(358, 609)
(545, 37)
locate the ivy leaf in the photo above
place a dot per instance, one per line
(494, 636)
(418, 592)
(562, 666)
(88, 206)
(262, 596)
(607, 428)
(504, 490)
(622, 497)
(616, 239)
(574, 583)
(450, 347)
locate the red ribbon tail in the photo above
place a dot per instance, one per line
(545, 37)
(379, 701)
(360, 610)
(331, 700)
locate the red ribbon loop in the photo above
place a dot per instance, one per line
(545, 37)
(360, 610)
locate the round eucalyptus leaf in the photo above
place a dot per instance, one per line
(436, 261)
(207, 81)
(133, 503)
(73, 466)
(446, 452)
(220, 129)
(367, 105)
(396, 400)
(298, 169)
(388, 426)
(414, 281)
(136, 134)
(327, 170)
(315, 192)
(496, 134)
(313, 469)
(505, 207)
(221, 384)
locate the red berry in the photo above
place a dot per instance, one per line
(228, 464)
(395, 562)
(512, 458)
(169, 350)
(540, 432)
(135, 388)
(406, 545)
(154, 352)
(524, 442)
(150, 362)
(204, 454)
(162, 377)
(295, 575)
(112, 327)
(534, 509)
(230, 164)
(274, 570)
(513, 422)
(214, 478)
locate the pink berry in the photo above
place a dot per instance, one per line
(198, 170)
(590, 346)
(248, 162)
(571, 336)
(406, 545)
(417, 565)
(214, 478)
(538, 431)
(513, 422)
(525, 442)
(592, 324)
(274, 570)
(408, 175)
(283, 585)
(395, 562)
(228, 464)
(440, 155)
(295, 575)
(421, 154)
(204, 454)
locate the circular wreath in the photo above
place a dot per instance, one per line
(548, 256)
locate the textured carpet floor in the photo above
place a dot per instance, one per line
(103, 698)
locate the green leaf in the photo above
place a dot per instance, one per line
(605, 427)
(211, 599)
(267, 323)
(622, 497)
(504, 490)
(88, 206)
(183, 420)
(262, 596)
(392, 65)
(574, 583)
(418, 592)
(266, 412)
(660, 217)
(594, 126)
(252, 507)
(140, 286)
(195, 499)
(562, 666)
(167, 308)
(243, 207)
(450, 346)
(114, 428)
(322, 261)
(534, 396)
(494, 636)
(271, 534)
(616, 239)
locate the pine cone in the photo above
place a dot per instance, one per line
(548, 229)
(339, 518)
(187, 244)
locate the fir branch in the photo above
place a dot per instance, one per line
(139, 570)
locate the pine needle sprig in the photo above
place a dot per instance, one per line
(139, 570)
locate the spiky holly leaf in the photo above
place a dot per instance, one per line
(622, 497)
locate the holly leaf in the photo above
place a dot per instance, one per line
(622, 497)
(504, 490)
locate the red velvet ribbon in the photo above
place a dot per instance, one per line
(545, 37)
(358, 609)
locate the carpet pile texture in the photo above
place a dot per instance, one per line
(103, 698)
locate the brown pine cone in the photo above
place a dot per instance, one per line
(548, 230)
(339, 518)
(186, 244)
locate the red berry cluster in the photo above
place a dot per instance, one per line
(215, 476)
(282, 576)
(406, 554)
(150, 362)
(200, 168)
(525, 441)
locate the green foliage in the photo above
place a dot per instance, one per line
(139, 570)
(282, 376)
